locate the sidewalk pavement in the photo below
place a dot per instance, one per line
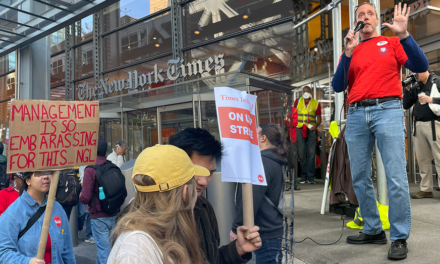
(85, 253)
(422, 244)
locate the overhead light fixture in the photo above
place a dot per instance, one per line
(154, 37)
(315, 49)
(157, 45)
(245, 16)
(129, 47)
(196, 32)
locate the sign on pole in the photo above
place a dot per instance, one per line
(47, 135)
(238, 131)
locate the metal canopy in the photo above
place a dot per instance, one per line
(25, 21)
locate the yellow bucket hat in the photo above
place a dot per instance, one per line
(169, 166)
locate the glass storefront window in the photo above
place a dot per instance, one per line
(265, 52)
(424, 24)
(142, 131)
(110, 130)
(84, 60)
(58, 93)
(7, 63)
(127, 11)
(57, 42)
(57, 74)
(7, 89)
(208, 19)
(137, 42)
(84, 29)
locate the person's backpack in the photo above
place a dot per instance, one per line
(4, 178)
(69, 187)
(112, 181)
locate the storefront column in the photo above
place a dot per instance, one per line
(34, 70)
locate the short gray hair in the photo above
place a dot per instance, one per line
(120, 143)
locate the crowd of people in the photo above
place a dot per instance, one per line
(168, 221)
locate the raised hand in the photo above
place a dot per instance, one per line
(400, 21)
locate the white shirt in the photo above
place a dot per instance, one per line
(116, 159)
(136, 247)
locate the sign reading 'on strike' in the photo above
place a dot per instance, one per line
(48, 135)
(238, 131)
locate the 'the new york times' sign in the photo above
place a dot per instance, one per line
(176, 69)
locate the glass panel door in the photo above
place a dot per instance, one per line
(173, 119)
(141, 132)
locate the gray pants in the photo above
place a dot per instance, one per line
(426, 149)
(306, 152)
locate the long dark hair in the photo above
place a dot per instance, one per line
(275, 136)
(24, 186)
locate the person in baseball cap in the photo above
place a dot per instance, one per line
(161, 216)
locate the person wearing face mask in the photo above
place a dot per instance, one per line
(426, 128)
(309, 118)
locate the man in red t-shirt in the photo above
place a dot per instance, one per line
(371, 70)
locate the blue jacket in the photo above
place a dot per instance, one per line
(15, 218)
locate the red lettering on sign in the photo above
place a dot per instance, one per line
(238, 123)
(62, 156)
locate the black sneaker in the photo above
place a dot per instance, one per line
(398, 250)
(362, 238)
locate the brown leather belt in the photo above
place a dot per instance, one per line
(371, 102)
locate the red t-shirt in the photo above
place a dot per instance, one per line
(318, 110)
(48, 251)
(375, 69)
(7, 197)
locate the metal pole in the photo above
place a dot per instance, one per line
(73, 222)
(337, 51)
(382, 190)
(351, 5)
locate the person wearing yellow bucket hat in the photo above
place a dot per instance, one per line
(159, 227)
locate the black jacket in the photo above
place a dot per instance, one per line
(266, 216)
(207, 229)
(420, 112)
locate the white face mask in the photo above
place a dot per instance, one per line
(307, 95)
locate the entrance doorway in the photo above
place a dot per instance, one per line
(173, 119)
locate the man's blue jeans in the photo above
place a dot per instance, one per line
(384, 123)
(306, 153)
(81, 218)
(101, 229)
(270, 252)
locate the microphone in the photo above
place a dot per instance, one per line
(360, 25)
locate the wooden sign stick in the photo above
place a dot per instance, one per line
(248, 207)
(48, 214)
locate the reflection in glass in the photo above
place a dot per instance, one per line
(110, 131)
(84, 60)
(7, 63)
(210, 19)
(57, 74)
(58, 93)
(84, 29)
(175, 121)
(127, 11)
(142, 131)
(57, 41)
(137, 42)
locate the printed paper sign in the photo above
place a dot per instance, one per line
(238, 131)
(47, 135)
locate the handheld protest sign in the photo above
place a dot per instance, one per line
(238, 132)
(47, 135)
(48, 214)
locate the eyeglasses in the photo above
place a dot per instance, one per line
(364, 3)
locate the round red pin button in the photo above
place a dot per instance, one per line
(260, 178)
(57, 220)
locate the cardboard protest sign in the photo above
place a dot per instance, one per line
(238, 132)
(47, 135)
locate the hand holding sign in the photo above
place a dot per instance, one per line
(238, 131)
